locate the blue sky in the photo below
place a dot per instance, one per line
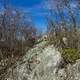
(26, 3)
(35, 9)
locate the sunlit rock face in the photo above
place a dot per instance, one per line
(42, 63)
(49, 62)
(38, 64)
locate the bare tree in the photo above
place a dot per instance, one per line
(12, 23)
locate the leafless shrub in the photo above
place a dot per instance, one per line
(15, 36)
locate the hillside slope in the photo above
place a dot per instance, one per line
(42, 63)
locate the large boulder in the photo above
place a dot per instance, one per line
(43, 63)
(38, 64)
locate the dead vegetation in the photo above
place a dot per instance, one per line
(16, 37)
(65, 35)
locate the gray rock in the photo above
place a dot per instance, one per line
(43, 64)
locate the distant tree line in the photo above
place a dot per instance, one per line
(17, 33)
(66, 22)
(64, 31)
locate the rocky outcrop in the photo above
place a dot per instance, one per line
(43, 63)
(71, 72)
(39, 63)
